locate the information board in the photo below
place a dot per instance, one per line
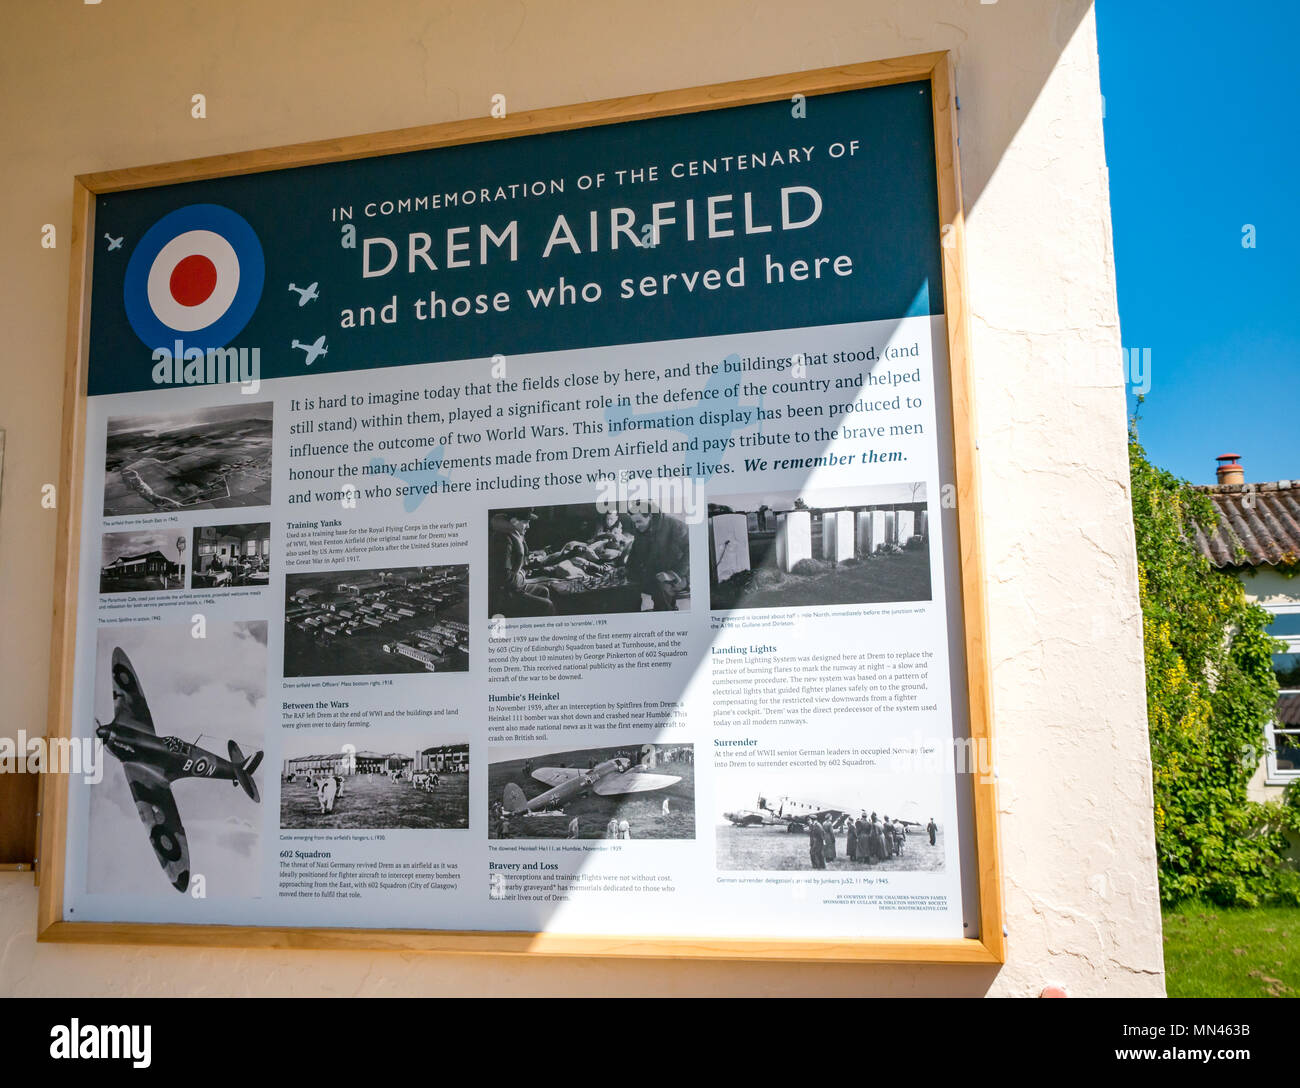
(553, 532)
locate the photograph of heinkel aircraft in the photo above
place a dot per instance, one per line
(645, 791)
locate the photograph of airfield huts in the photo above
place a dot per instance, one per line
(835, 546)
(842, 819)
(142, 562)
(201, 460)
(377, 622)
(378, 778)
(631, 791)
(230, 556)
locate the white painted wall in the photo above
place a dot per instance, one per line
(88, 87)
(1268, 587)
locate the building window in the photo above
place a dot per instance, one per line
(1283, 735)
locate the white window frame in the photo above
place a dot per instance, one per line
(1273, 775)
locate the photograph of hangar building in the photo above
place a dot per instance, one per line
(453, 758)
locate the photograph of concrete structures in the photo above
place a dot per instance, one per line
(581, 559)
(843, 819)
(200, 460)
(397, 780)
(793, 549)
(183, 722)
(228, 556)
(636, 791)
(142, 562)
(377, 622)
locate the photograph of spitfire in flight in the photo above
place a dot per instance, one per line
(633, 791)
(207, 459)
(186, 738)
(835, 818)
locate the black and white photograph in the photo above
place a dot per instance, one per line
(375, 779)
(182, 721)
(207, 459)
(842, 819)
(582, 559)
(808, 549)
(142, 562)
(632, 791)
(391, 620)
(231, 556)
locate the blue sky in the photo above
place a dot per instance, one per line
(1201, 139)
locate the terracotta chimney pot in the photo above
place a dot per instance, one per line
(1230, 471)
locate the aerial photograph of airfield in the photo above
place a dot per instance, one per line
(810, 549)
(377, 622)
(633, 791)
(200, 460)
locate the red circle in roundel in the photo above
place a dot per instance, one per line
(193, 280)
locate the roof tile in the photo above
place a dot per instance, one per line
(1259, 525)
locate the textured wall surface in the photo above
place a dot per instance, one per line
(90, 87)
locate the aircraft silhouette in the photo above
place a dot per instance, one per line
(113, 243)
(608, 779)
(426, 472)
(750, 818)
(305, 294)
(727, 415)
(312, 350)
(152, 763)
(794, 813)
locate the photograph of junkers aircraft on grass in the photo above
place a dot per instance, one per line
(833, 819)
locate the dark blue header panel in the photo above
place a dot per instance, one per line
(735, 220)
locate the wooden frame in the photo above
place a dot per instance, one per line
(989, 948)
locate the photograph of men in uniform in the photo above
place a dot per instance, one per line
(660, 562)
(577, 559)
(511, 592)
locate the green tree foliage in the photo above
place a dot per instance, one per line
(1210, 692)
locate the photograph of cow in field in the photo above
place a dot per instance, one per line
(327, 792)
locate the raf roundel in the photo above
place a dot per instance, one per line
(196, 276)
